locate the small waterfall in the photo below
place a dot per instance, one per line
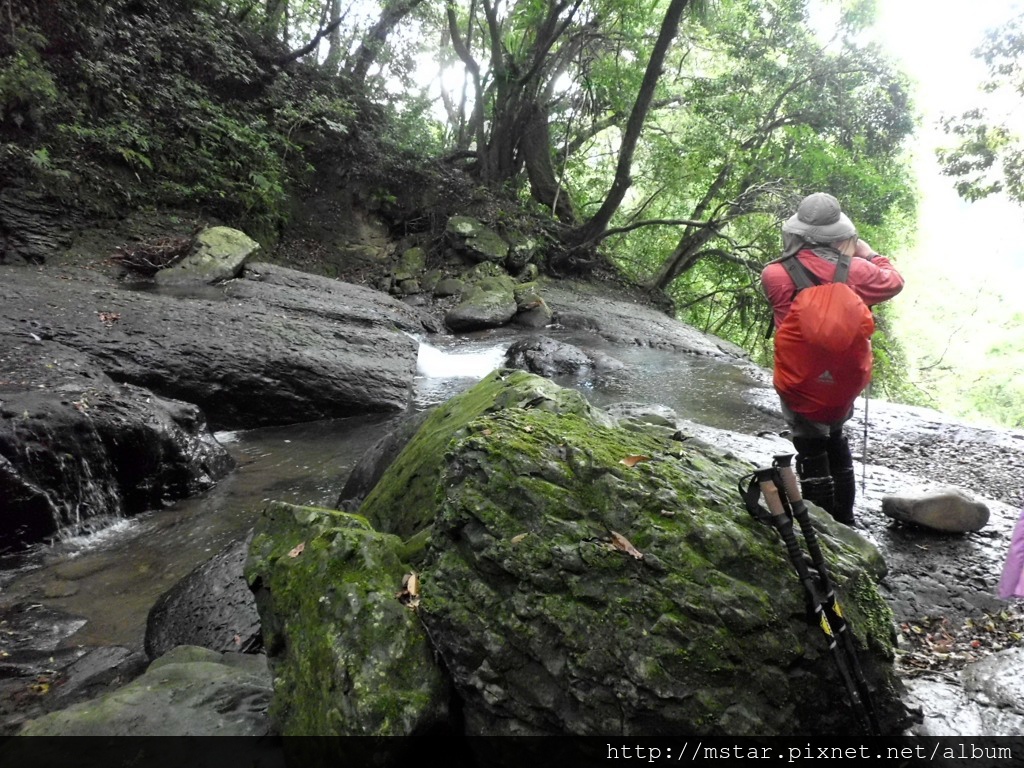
(444, 373)
(435, 363)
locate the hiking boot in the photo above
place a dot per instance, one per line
(819, 491)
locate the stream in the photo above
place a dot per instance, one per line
(96, 590)
(60, 600)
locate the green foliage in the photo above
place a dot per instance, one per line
(987, 154)
(998, 391)
(759, 113)
(27, 88)
(169, 106)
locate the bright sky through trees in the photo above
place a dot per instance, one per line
(965, 271)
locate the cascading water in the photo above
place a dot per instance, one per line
(442, 372)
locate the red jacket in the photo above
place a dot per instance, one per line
(874, 281)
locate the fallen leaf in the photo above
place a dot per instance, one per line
(298, 550)
(412, 584)
(409, 596)
(632, 461)
(621, 543)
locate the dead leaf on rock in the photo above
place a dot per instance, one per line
(297, 550)
(632, 461)
(409, 596)
(623, 544)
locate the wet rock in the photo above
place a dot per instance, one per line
(98, 670)
(449, 286)
(187, 692)
(547, 357)
(619, 320)
(75, 445)
(531, 309)
(212, 607)
(375, 461)
(277, 347)
(35, 225)
(949, 511)
(536, 315)
(488, 301)
(348, 657)
(987, 697)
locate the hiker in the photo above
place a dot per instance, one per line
(818, 385)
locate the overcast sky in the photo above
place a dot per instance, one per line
(964, 274)
(934, 39)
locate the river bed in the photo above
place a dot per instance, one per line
(96, 590)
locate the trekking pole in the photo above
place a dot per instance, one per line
(864, 452)
(769, 480)
(837, 621)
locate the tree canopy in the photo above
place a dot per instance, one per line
(670, 137)
(987, 154)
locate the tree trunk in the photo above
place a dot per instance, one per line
(373, 42)
(334, 53)
(592, 229)
(684, 256)
(535, 149)
(274, 23)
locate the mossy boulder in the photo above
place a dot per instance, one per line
(575, 577)
(487, 301)
(470, 236)
(220, 254)
(348, 658)
(587, 579)
(404, 501)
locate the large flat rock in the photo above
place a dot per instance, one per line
(275, 347)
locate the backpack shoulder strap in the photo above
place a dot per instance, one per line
(842, 268)
(801, 276)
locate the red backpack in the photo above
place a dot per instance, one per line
(823, 346)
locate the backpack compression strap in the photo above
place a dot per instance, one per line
(804, 278)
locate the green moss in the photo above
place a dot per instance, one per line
(526, 505)
(405, 499)
(348, 657)
(527, 495)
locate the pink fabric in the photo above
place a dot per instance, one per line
(1012, 583)
(875, 281)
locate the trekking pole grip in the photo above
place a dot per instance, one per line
(783, 463)
(766, 479)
